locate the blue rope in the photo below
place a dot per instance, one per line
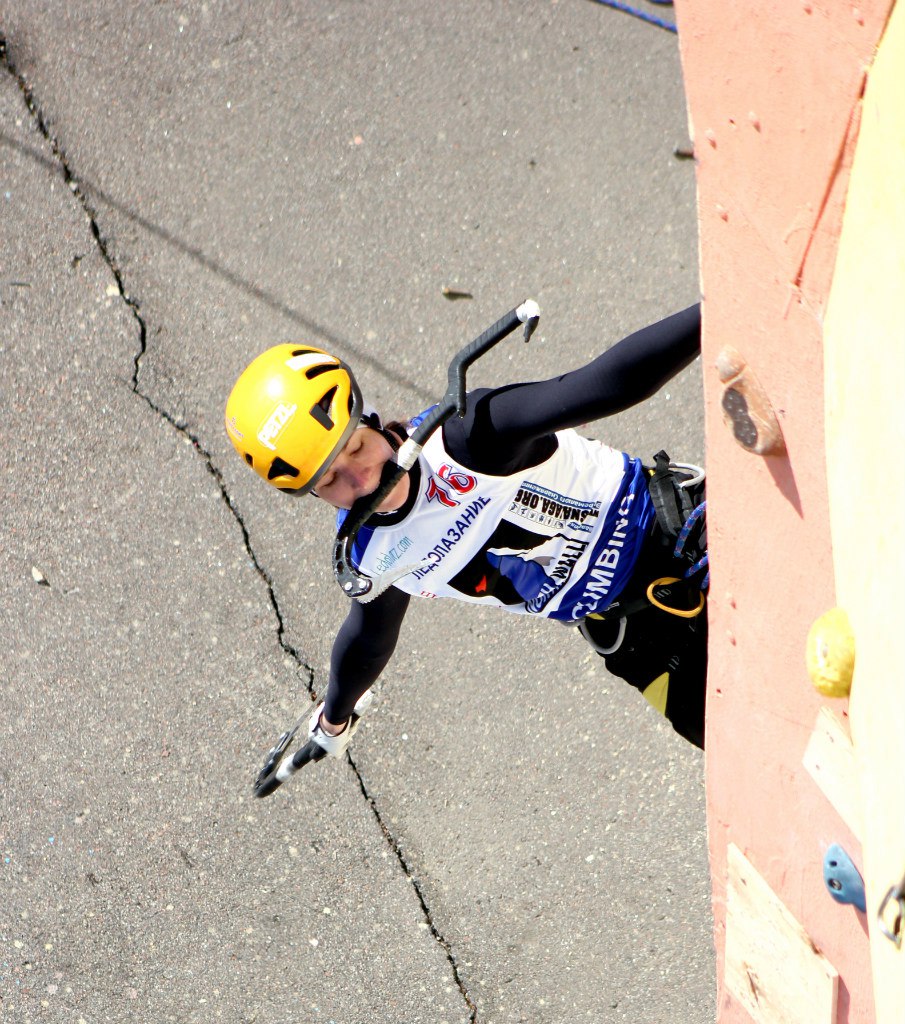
(643, 15)
(698, 565)
(680, 546)
(687, 528)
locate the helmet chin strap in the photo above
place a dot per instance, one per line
(391, 439)
(371, 418)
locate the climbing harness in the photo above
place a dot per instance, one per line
(672, 494)
(664, 656)
(682, 525)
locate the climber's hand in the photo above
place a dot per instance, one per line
(278, 767)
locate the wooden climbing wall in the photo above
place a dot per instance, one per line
(864, 364)
(777, 93)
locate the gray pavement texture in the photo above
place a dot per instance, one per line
(517, 837)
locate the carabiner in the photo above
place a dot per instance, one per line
(681, 612)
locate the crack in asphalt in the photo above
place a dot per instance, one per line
(437, 935)
(80, 194)
(73, 184)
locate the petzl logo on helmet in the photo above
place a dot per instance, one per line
(274, 424)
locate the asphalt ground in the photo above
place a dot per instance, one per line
(516, 837)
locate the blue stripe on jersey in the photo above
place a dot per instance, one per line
(617, 548)
(416, 421)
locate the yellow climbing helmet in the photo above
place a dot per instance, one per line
(290, 413)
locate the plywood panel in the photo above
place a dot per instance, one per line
(864, 339)
(830, 759)
(772, 967)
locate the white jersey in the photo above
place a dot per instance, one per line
(559, 539)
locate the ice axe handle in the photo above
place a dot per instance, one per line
(526, 314)
(354, 584)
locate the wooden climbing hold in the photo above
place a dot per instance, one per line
(830, 654)
(746, 408)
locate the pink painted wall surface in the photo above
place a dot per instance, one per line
(773, 91)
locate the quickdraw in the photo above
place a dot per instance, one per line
(680, 519)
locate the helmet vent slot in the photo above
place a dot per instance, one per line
(280, 467)
(250, 460)
(316, 371)
(321, 410)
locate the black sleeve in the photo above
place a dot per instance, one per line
(509, 428)
(362, 649)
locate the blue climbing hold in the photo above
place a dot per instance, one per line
(843, 881)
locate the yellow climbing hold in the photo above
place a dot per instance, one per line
(831, 654)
